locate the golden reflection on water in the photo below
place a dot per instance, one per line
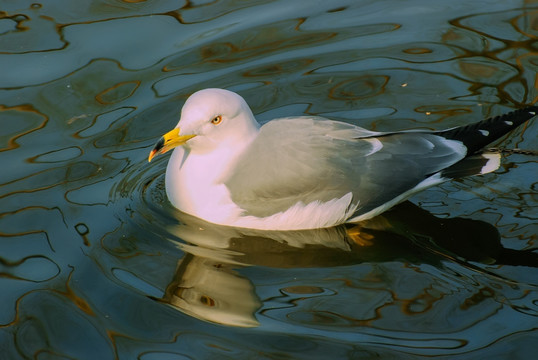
(118, 92)
(94, 261)
(11, 116)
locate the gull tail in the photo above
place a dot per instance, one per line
(478, 135)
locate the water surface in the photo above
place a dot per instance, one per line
(96, 264)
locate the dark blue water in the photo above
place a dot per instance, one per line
(95, 264)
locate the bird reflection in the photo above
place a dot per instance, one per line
(207, 286)
(213, 291)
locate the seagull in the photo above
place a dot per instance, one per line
(308, 172)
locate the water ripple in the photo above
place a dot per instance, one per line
(96, 263)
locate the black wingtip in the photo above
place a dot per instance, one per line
(478, 135)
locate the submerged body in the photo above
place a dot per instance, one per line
(307, 172)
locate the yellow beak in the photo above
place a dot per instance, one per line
(169, 141)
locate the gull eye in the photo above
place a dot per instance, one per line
(216, 120)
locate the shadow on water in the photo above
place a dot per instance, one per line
(206, 286)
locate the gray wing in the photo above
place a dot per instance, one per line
(307, 159)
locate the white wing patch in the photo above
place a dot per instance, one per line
(376, 146)
(433, 180)
(300, 216)
(494, 162)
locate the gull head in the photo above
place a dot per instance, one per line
(210, 119)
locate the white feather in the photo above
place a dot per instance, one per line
(494, 161)
(301, 216)
(426, 183)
